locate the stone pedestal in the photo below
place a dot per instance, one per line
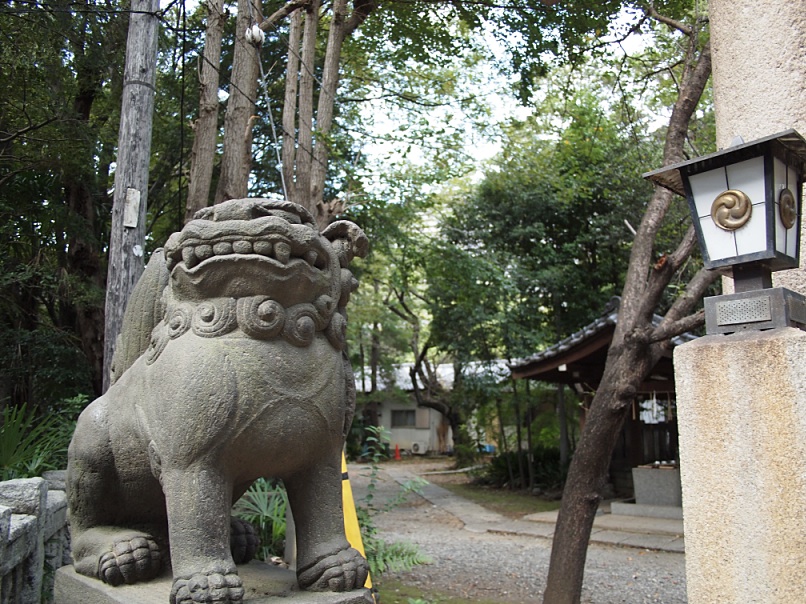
(264, 584)
(657, 486)
(742, 420)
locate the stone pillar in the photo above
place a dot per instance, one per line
(759, 77)
(742, 419)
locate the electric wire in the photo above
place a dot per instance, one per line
(265, 87)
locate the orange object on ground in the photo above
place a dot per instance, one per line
(397, 452)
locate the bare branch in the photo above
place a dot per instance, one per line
(361, 10)
(693, 293)
(282, 13)
(29, 128)
(681, 27)
(664, 269)
(672, 329)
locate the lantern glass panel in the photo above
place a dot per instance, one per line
(792, 234)
(752, 237)
(748, 177)
(780, 177)
(705, 187)
(720, 243)
(784, 178)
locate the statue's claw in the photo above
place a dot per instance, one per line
(131, 561)
(215, 588)
(342, 571)
(243, 540)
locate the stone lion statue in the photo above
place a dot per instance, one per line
(230, 367)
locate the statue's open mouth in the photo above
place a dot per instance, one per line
(277, 250)
(237, 258)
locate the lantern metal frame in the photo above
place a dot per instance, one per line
(756, 305)
(789, 147)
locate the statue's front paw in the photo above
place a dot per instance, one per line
(215, 588)
(131, 561)
(342, 571)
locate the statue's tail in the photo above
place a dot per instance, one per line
(144, 310)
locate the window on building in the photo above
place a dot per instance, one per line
(404, 418)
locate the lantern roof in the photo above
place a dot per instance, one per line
(789, 141)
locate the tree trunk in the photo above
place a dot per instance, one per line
(127, 238)
(236, 160)
(289, 150)
(562, 420)
(636, 347)
(206, 125)
(503, 442)
(530, 454)
(516, 405)
(588, 473)
(83, 256)
(305, 157)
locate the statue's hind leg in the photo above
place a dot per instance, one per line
(101, 549)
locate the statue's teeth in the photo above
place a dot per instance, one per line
(311, 256)
(222, 248)
(189, 257)
(204, 251)
(282, 251)
(242, 247)
(263, 248)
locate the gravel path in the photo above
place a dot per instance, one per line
(512, 568)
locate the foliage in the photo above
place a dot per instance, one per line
(547, 228)
(30, 444)
(264, 506)
(60, 81)
(23, 445)
(383, 556)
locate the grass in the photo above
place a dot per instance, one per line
(512, 504)
(392, 591)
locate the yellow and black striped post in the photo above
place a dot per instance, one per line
(351, 528)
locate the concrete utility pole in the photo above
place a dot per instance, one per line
(742, 397)
(127, 240)
(759, 76)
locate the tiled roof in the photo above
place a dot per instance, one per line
(608, 319)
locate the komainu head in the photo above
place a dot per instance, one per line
(258, 267)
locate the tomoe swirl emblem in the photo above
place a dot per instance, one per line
(788, 208)
(731, 210)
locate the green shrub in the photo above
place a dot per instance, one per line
(264, 506)
(548, 472)
(31, 444)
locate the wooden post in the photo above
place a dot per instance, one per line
(127, 240)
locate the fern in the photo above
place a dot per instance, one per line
(381, 555)
(396, 557)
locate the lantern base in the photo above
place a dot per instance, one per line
(751, 277)
(755, 310)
